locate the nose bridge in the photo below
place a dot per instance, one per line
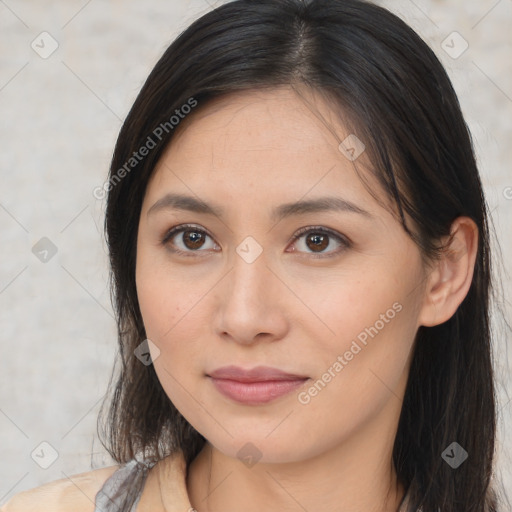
(247, 306)
(249, 275)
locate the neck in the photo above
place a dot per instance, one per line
(355, 476)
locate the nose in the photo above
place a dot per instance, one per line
(251, 303)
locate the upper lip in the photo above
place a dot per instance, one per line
(257, 374)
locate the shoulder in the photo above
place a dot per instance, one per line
(76, 493)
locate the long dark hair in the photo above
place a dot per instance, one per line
(393, 91)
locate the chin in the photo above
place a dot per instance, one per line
(255, 447)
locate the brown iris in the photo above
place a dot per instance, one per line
(195, 238)
(320, 241)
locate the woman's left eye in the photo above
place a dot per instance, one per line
(316, 239)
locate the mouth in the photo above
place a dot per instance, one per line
(259, 385)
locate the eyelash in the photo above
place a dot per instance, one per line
(311, 229)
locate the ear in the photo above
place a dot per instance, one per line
(449, 280)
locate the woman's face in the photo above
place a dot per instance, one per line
(247, 289)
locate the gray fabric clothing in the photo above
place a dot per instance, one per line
(123, 489)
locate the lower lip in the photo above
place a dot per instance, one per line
(253, 393)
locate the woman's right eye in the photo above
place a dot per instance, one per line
(189, 242)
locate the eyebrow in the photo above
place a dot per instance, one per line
(320, 204)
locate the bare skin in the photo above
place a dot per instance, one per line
(250, 153)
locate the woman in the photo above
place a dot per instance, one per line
(301, 274)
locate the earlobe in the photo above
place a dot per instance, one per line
(450, 279)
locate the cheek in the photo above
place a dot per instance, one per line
(159, 309)
(168, 315)
(357, 380)
(365, 350)
(372, 301)
(342, 308)
(165, 297)
(174, 319)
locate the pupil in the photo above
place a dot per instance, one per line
(318, 239)
(194, 238)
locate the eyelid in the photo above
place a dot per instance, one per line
(345, 241)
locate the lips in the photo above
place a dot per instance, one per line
(256, 386)
(257, 374)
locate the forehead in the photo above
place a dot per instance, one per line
(272, 142)
(261, 119)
